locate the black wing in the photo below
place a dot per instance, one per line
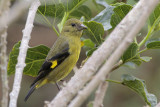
(51, 64)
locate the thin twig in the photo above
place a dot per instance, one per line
(102, 88)
(100, 93)
(3, 69)
(101, 54)
(141, 11)
(4, 5)
(75, 69)
(4, 8)
(22, 53)
(158, 105)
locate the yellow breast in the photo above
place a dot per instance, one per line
(67, 65)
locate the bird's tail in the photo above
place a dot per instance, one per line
(30, 92)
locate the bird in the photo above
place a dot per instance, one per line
(62, 57)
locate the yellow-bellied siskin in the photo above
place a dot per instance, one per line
(62, 57)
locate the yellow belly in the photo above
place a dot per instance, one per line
(66, 66)
(63, 69)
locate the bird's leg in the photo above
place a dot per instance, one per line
(58, 86)
(64, 82)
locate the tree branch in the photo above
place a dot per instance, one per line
(140, 14)
(141, 11)
(22, 53)
(100, 93)
(4, 5)
(158, 105)
(3, 69)
(4, 8)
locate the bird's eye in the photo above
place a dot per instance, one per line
(73, 24)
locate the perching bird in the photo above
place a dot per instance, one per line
(62, 57)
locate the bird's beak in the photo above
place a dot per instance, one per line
(81, 27)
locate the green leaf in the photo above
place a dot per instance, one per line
(131, 65)
(54, 11)
(73, 4)
(146, 58)
(82, 11)
(102, 2)
(130, 56)
(120, 11)
(89, 53)
(133, 62)
(153, 44)
(94, 31)
(153, 26)
(82, 19)
(137, 60)
(34, 59)
(104, 17)
(138, 86)
(110, 1)
(88, 43)
(90, 104)
(130, 53)
(154, 19)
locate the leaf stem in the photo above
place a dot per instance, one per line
(135, 40)
(116, 66)
(146, 38)
(55, 30)
(143, 50)
(76, 6)
(61, 24)
(148, 34)
(48, 22)
(114, 81)
(66, 15)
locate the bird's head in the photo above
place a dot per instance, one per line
(73, 27)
